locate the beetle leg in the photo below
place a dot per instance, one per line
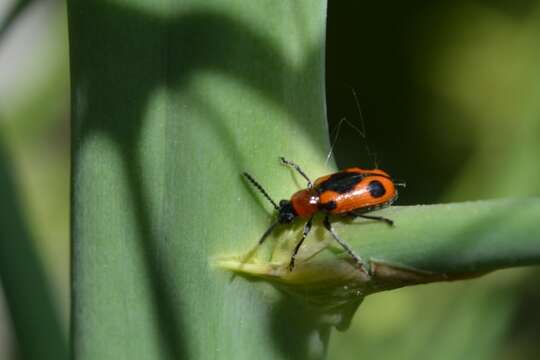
(307, 228)
(361, 262)
(297, 168)
(371, 217)
(268, 232)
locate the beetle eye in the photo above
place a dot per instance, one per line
(376, 189)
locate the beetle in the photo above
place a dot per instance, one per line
(352, 192)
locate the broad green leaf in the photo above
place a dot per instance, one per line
(171, 102)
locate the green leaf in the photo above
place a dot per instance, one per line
(428, 243)
(171, 102)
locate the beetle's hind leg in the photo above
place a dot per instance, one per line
(364, 266)
(297, 168)
(371, 217)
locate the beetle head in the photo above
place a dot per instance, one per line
(286, 213)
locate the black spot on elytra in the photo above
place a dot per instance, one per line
(331, 205)
(376, 189)
(340, 182)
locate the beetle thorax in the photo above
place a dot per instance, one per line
(305, 202)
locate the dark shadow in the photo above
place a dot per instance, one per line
(187, 41)
(378, 48)
(36, 324)
(113, 79)
(523, 330)
(310, 325)
(369, 49)
(290, 316)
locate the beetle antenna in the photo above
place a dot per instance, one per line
(360, 114)
(363, 132)
(261, 189)
(333, 143)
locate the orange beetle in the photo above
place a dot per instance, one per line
(352, 192)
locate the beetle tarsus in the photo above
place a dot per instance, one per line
(297, 168)
(362, 264)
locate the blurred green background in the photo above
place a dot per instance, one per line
(450, 95)
(34, 163)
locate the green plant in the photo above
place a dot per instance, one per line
(171, 102)
(165, 120)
